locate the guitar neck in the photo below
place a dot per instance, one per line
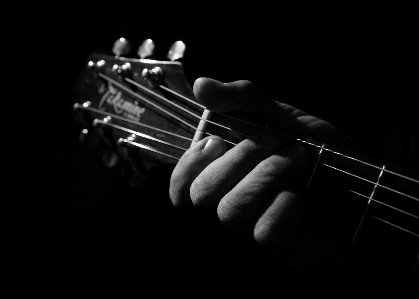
(148, 106)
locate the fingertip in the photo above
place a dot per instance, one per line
(224, 97)
(202, 84)
(215, 147)
(192, 163)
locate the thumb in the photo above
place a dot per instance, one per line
(242, 97)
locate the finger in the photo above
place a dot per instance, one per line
(244, 97)
(239, 207)
(193, 161)
(223, 174)
(247, 100)
(278, 224)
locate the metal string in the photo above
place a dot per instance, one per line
(243, 121)
(297, 139)
(140, 134)
(365, 196)
(375, 217)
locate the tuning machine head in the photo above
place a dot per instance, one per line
(176, 51)
(154, 76)
(121, 47)
(146, 49)
(123, 71)
(96, 67)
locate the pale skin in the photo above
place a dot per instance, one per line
(255, 187)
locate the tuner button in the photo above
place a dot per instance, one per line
(154, 76)
(176, 51)
(83, 135)
(88, 139)
(146, 49)
(123, 71)
(121, 47)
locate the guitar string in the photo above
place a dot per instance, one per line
(366, 180)
(140, 134)
(297, 139)
(365, 196)
(262, 127)
(167, 101)
(147, 147)
(348, 173)
(130, 121)
(169, 90)
(145, 100)
(375, 217)
(159, 152)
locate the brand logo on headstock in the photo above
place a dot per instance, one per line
(113, 97)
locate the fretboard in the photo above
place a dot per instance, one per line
(357, 200)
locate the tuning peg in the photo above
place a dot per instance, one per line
(176, 51)
(88, 139)
(146, 48)
(121, 47)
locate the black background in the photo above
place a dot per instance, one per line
(73, 226)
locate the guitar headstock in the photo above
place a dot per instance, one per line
(143, 110)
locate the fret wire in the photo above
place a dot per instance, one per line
(144, 99)
(297, 139)
(366, 197)
(364, 179)
(180, 136)
(140, 134)
(131, 121)
(349, 157)
(387, 222)
(326, 149)
(258, 126)
(181, 96)
(314, 170)
(149, 148)
(368, 206)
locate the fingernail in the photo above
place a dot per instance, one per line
(214, 148)
(297, 155)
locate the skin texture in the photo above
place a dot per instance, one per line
(256, 190)
(254, 187)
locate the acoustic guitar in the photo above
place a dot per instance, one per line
(146, 114)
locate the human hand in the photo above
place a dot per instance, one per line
(256, 187)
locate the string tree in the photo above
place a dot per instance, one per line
(121, 47)
(146, 49)
(176, 51)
